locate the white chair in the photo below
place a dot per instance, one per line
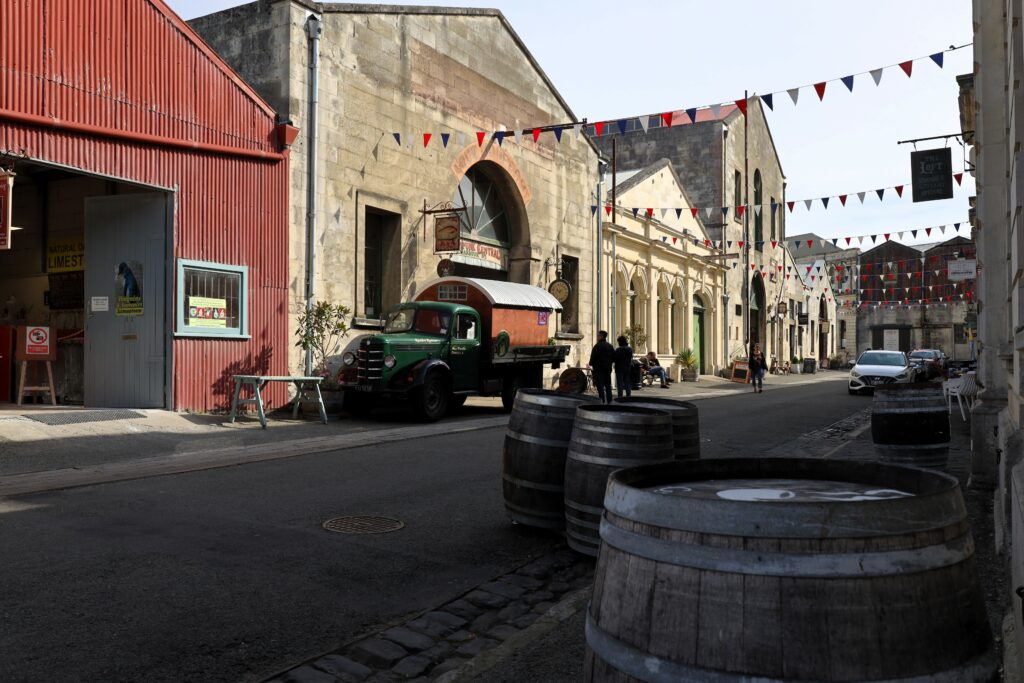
(965, 388)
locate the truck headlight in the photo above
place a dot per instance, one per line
(389, 361)
(348, 358)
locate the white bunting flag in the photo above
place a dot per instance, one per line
(807, 203)
(663, 212)
(757, 209)
(794, 94)
(707, 212)
(860, 196)
(644, 122)
(942, 229)
(899, 235)
(716, 110)
(518, 136)
(877, 75)
(577, 128)
(860, 240)
(460, 139)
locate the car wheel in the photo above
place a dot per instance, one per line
(432, 398)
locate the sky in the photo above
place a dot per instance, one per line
(611, 60)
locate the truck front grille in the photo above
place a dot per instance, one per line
(369, 362)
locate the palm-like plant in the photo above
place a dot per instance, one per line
(687, 358)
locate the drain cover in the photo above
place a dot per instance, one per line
(80, 416)
(360, 524)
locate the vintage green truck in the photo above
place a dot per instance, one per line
(459, 337)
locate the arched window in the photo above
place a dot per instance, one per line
(758, 225)
(485, 216)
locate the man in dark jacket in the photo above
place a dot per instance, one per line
(624, 367)
(601, 358)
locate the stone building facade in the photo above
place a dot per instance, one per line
(990, 101)
(448, 72)
(662, 275)
(726, 162)
(839, 265)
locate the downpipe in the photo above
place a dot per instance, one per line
(314, 29)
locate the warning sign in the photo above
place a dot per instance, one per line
(207, 312)
(35, 343)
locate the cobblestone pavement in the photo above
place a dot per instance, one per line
(437, 643)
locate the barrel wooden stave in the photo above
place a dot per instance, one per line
(909, 414)
(533, 457)
(855, 607)
(685, 422)
(606, 438)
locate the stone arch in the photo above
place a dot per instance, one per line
(756, 306)
(677, 316)
(664, 312)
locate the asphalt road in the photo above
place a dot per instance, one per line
(227, 574)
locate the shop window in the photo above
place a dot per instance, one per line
(380, 253)
(773, 216)
(570, 319)
(212, 299)
(739, 310)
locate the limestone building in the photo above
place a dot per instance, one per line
(662, 274)
(730, 168)
(437, 77)
(839, 263)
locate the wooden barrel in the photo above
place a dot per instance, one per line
(533, 459)
(786, 569)
(909, 413)
(606, 438)
(685, 422)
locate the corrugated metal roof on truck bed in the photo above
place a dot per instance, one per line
(501, 293)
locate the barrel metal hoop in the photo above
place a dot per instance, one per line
(527, 438)
(923, 411)
(535, 485)
(584, 508)
(805, 565)
(646, 667)
(667, 455)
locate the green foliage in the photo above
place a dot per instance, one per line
(636, 336)
(687, 358)
(320, 331)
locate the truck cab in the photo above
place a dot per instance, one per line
(434, 354)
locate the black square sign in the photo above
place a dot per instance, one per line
(931, 172)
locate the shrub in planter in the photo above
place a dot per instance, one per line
(320, 332)
(687, 360)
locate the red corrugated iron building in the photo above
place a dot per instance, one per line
(129, 135)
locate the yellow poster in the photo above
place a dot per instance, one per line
(206, 312)
(65, 256)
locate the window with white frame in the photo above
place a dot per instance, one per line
(212, 299)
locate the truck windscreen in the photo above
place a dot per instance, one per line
(424, 321)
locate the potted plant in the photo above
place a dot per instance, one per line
(320, 331)
(687, 362)
(637, 338)
(796, 365)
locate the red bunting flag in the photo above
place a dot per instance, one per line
(820, 89)
(809, 243)
(790, 205)
(608, 210)
(707, 243)
(808, 269)
(899, 190)
(739, 211)
(426, 139)
(774, 244)
(887, 236)
(693, 212)
(480, 138)
(740, 243)
(928, 231)
(752, 266)
(742, 105)
(842, 199)
(650, 212)
(674, 240)
(787, 276)
(847, 241)
(536, 134)
(958, 177)
(599, 128)
(666, 118)
(907, 66)
(812, 278)
(780, 269)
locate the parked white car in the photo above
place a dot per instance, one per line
(878, 368)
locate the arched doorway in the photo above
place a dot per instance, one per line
(757, 312)
(495, 228)
(823, 330)
(698, 332)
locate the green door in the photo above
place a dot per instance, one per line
(465, 351)
(698, 338)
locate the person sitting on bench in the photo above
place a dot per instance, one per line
(654, 368)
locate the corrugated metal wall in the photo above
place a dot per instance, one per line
(132, 67)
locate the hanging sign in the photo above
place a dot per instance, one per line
(6, 198)
(931, 172)
(962, 269)
(447, 233)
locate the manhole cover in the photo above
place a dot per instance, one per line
(360, 524)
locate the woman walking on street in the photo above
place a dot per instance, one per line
(758, 366)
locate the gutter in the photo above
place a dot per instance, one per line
(314, 29)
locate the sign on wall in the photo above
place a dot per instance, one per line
(65, 256)
(891, 340)
(447, 233)
(931, 172)
(6, 199)
(205, 311)
(962, 269)
(128, 288)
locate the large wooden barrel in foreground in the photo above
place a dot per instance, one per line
(533, 459)
(685, 422)
(786, 569)
(606, 438)
(910, 424)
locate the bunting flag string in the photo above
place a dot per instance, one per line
(644, 122)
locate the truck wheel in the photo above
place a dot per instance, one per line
(433, 398)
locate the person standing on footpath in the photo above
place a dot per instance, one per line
(602, 356)
(624, 367)
(758, 366)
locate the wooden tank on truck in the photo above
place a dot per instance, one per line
(459, 337)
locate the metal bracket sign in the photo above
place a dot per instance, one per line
(447, 233)
(931, 173)
(962, 269)
(6, 199)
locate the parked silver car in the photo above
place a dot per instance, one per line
(878, 368)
